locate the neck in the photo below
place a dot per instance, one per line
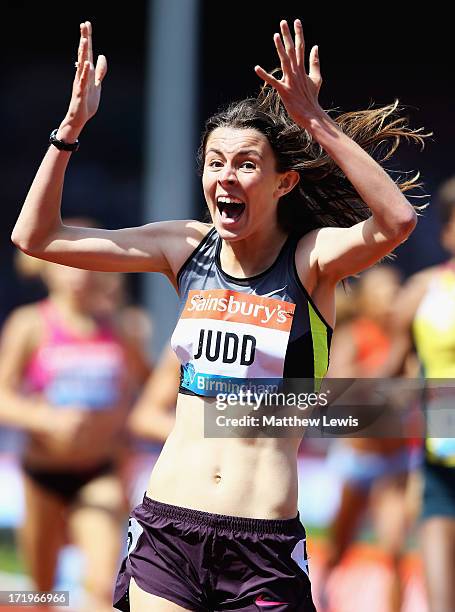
(68, 304)
(253, 255)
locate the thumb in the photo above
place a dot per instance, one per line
(315, 69)
(100, 69)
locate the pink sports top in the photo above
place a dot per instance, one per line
(75, 370)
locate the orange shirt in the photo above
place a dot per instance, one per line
(372, 345)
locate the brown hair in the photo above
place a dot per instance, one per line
(324, 196)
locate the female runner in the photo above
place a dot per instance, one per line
(67, 375)
(376, 472)
(296, 204)
(424, 316)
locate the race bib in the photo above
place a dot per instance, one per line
(226, 338)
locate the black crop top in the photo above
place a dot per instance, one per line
(234, 330)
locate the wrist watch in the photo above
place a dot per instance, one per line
(61, 144)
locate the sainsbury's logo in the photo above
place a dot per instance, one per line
(224, 304)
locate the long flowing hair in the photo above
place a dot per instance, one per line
(324, 196)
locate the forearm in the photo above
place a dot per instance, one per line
(146, 424)
(18, 411)
(391, 210)
(40, 217)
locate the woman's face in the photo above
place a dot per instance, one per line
(240, 182)
(378, 290)
(67, 280)
(99, 293)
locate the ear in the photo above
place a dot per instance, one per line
(447, 235)
(287, 182)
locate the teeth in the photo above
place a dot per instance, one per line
(227, 200)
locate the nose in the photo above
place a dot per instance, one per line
(227, 175)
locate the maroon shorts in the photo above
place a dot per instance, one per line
(211, 562)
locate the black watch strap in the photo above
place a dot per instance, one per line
(61, 144)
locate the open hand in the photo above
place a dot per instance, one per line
(86, 93)
(298, 90)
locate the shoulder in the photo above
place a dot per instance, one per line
(419, 281)
(24, 327)
(411, 295)
(310, 244)
(181, 238)
(25, 318)
(194, 232)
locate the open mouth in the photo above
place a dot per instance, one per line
(230, 209)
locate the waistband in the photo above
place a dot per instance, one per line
(223, 521)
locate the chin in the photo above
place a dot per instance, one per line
(230, 235)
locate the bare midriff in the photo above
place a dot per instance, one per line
(252, 477)
(99, 444)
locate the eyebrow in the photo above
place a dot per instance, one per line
(240, 152)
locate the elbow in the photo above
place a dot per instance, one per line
(409, 223)
(22, 243)
(404, 224)
(19, 241)
(30, 242)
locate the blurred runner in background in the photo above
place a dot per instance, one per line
(67, 375)
(150, 422)
(374, 470)
(153, 416)
(425, 313)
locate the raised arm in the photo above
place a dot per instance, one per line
(39, 231)
(340, 252)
